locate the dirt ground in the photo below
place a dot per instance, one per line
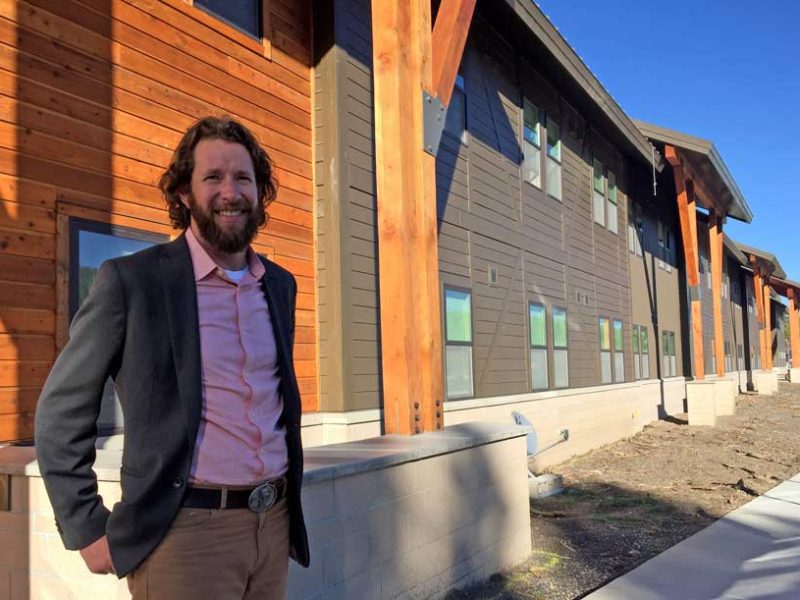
(629, 501)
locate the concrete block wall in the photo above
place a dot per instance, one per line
(390, 517)
(416, 529)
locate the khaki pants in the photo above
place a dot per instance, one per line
(231, 554)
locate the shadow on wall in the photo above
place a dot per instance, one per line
(58, 155)
(56, 149)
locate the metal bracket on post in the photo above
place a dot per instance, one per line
(433, 118)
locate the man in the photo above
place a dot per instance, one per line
(197, 335)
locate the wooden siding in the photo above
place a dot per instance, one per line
(94, 95)
(656, 283)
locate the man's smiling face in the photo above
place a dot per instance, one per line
(223, 196)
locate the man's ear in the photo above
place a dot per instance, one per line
(183, 194)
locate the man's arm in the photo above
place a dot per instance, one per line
(66, 415)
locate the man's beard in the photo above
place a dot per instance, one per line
(227, 241)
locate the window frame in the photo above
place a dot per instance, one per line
(75, 226)
(560, 348)
(557, 160)
(459, 90)
(537, 145)
(618, 355)
(599, 196)
(608, 351)
(259, 42)
(532, 346)
(470, 344)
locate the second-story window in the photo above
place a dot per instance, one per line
(553, 174)
(531, 144)
(599, 193)
(612, 202)
(245, 15)
(456, 121)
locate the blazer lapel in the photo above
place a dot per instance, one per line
(278, 314)
(180, 300)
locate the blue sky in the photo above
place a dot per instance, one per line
(724, 70)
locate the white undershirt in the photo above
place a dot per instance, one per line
(236, 275)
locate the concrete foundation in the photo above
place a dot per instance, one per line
(725, 396)
(766, 382)
(701, 402)
(389, 517)
(794, 375)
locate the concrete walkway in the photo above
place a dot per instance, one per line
(753, 552)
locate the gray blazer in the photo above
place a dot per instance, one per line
(139, 326)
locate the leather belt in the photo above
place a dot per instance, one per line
(258, 499)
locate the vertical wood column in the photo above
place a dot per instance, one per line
(406, 57)
(794, 326)
(687, 212)
(715, 240)
(767, 324)
(758, 290)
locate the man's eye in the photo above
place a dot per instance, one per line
(212, 177)
(245, 178)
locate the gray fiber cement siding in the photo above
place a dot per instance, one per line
(542, 249)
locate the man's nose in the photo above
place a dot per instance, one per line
(229, 190)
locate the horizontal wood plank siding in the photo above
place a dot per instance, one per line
(94, 96)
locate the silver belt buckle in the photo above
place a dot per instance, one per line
(263, 497)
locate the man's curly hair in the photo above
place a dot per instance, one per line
(176, 180)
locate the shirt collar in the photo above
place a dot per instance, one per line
(204, 265)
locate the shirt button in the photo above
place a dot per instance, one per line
(177, 482)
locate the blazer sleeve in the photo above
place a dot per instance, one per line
(67, 411)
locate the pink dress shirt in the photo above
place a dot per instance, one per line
(239, 441)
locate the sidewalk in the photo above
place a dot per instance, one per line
(753, 552)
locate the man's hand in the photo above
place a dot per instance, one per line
(97, 557)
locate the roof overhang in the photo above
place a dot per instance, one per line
(734, 250)
(782, 286)
(724, 196)
(534, 37)
(767, 262)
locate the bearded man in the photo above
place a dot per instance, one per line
(197, 335)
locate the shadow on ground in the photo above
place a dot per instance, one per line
(587, 536)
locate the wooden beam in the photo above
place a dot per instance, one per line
(687, 213)
(715, 239)
(407, 234)
(794, 325)
(758, 290)
(767, 324)
(448, 40)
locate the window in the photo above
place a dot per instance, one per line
(531, 144)
(560, 351)
(728, 358)
(605, 350)
(244, 15)
(619, 362)
(635, 230)
(612, 202)
(740, 356)
(705, 269)
(669, 366)
(456, 121)
(713, 356)
(641, 353)
(599, 193)
(666, 248)
(538, 324)
(553, 159)
(90, 244)
(458, 342)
